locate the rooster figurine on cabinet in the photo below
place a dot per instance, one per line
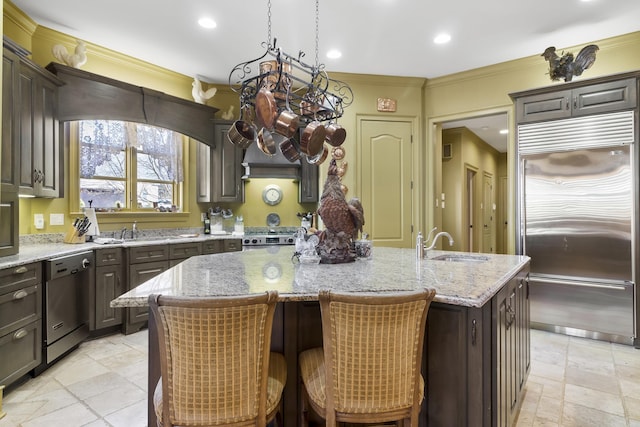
(200, 95)
(76, 59)
(566, 66)
(343, 221)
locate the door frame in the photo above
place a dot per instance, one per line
(433, 167)
(417, 172)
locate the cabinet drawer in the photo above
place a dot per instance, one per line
(148, 253)
(20, 352)
(231, 245)
(184, 250)
(12, 279)
(212, 247)
(110, 256)
(20, 308)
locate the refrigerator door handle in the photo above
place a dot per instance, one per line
(585, 284)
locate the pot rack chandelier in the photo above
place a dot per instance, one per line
(279, 93)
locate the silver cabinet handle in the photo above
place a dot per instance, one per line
(20, 294)
(21, 333)
(20, 270)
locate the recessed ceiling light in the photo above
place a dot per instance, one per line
(504, 131)
(442, 38)
(334, 54)
(207, 22)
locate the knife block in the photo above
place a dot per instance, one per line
(72, 236)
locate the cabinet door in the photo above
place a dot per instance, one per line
(109, 285)
(605, 97)
(308, 188)
(9, 161)
(546, 106)
(506, 354)
(46, 142)
(203, 172)
(40, 167)
(139, 273)
(226, 168)
(26, 101)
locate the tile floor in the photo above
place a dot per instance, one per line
(573, 382)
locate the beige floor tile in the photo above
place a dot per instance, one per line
(597, 381)
(633, 408)
(606, 402)
(586, 416)
(549, 409)
(630, 388)
(131, 416)
(554, 371)
(73, 415)
(114, 400)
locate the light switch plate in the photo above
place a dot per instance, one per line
(56, 219)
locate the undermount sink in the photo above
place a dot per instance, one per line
(461, 258)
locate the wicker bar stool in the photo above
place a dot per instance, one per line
(215, 363)
(368, 370)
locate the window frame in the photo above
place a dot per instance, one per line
(71, 132)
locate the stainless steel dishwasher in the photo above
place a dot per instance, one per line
(68, 280)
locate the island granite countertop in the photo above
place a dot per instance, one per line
(470, 284)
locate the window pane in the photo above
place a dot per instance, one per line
(157, 153)
(104, 194)
(154, 167)
(155, 195)
(102, 145)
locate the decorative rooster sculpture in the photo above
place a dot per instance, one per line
(75, 60)
(566, 67)
(342, 220)
(199, 95)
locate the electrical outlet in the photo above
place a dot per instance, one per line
(38, 221)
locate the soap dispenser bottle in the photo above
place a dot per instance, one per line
(207, 224)
(420, 246)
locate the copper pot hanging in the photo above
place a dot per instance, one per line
(241, 133)
(312, 139)
(336, 134)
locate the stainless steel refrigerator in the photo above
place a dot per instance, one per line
(577, 213)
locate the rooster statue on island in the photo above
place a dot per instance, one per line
(343, 221)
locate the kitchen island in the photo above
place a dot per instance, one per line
(477, 345)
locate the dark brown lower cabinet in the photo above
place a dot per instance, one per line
(109, 284)
(476, 359)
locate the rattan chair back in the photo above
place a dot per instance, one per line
(214, 358)
(373, 347)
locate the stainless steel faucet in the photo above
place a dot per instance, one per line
(123, 233)
(435, 240)
(134, 230)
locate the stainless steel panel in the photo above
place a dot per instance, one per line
(598, 306)
(578, 213)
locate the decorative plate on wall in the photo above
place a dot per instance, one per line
(273, 219)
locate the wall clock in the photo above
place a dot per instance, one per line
(272, 194)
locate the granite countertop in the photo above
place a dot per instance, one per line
(469, 284)
(35, 252)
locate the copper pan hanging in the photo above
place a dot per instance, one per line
(266, 109)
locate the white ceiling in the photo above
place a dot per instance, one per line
(387, 37)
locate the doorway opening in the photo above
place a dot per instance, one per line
(477, 147)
